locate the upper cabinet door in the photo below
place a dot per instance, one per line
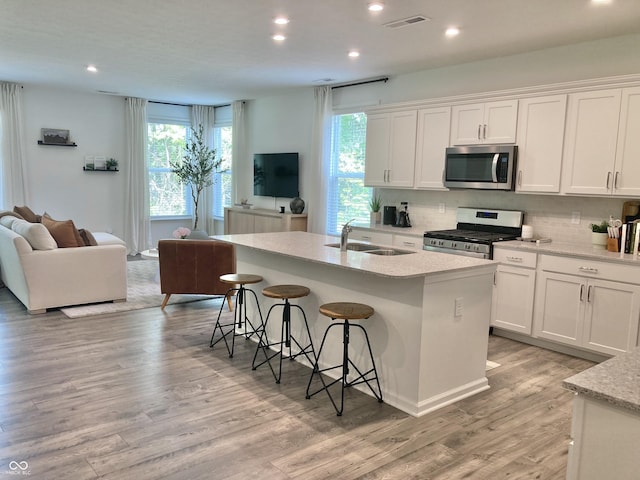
(626, 181)
(540, 141)
(377, 149)
(391, 149)
(590, 142)
(434, 125)
(491, 122)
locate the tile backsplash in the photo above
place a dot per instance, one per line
(549, 215)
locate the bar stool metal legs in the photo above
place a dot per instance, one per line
(240, 318)
(346, 311)
(287, 338)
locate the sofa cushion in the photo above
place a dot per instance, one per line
(8, 220)
(35, 233)
(63, 231)
(4, 213)
(87, 237)
(26, 213)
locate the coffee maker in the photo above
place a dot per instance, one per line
(403, 216)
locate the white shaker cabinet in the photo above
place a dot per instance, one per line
(541, 122)
(513, 290)
(602, 145)
(588, 309)
(434, 126)
(491, 122)
(626, 180)
(390, 149)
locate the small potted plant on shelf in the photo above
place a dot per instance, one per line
(111, 164)
(374, 205)
(599, 234)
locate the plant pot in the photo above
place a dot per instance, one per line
(375, 218)
(198, 235)
(599, 240)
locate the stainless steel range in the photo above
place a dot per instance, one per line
(477, 230)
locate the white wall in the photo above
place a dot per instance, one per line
(56, 182)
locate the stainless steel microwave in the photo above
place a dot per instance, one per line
(484, 167)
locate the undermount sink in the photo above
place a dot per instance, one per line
(373, 249)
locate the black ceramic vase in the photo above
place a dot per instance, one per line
(297, 205)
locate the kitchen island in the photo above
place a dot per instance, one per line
(429, 333)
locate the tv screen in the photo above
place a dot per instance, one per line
(275, 174)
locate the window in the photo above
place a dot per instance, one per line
(167, 196)
(347, 197)
(222, 186)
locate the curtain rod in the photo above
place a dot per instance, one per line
(364, 82)
(183, 105)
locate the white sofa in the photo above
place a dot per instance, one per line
(59, 277)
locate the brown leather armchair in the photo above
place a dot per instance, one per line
(194, 267)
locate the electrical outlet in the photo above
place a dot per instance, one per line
(441, 208)
(575, 218)
(458, 307)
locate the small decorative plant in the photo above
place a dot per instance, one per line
(375, 203)
(111, 164)
(600, 227)
(181, 232)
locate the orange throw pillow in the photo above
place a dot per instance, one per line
(64, 232)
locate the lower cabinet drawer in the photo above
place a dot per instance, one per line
(516, 258)
(408, 241)
(591, 268)
(363, 235)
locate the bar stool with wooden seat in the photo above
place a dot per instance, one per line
(346, 311)
(240, 318)
(286, 293)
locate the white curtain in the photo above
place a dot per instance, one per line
(205, 116)
(320, 161)
(14, 169)
(137, 227)
(238, 145)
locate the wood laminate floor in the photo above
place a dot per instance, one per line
(140, 395)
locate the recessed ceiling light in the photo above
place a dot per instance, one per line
(601, 2)
(281, 20)
(92, 68)
(279, 38)
(354, 54)
(376, 6)
(452, 31)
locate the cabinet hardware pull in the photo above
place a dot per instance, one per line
(588, 269)
(515, 259)
(479, 127)
(581, 292)
(608, 179)
(519, 177)
(484, 131)
(589, 294)
(368, 239)
(409, 244)
(615, 180)
(494, 278)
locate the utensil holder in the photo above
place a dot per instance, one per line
(612, 245)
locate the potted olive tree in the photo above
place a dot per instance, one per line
(196, 168)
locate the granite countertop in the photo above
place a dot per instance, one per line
(414, 231)
(616, 381)
(572, 250)
(312, 247)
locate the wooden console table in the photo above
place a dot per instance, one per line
(257, 220)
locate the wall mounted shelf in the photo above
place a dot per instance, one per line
(40, 142)
(98, 170)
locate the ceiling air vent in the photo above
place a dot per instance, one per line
(405, 22)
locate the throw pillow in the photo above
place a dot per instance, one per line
(87, 236)
(35, 233)
(63, 231)
(26, 213)
(4, 213)
(7, 220)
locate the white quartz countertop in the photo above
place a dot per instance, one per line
(312, 247)
(571, 250)
(616, 381)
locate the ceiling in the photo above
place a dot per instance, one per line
(215, 51)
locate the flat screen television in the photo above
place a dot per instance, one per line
(275, 175)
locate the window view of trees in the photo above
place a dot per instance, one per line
(347, 196)
(222, 186)
(167, 196)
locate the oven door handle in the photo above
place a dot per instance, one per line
(494, 168)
